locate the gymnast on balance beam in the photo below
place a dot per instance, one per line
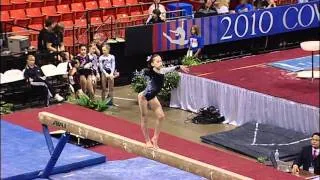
(155, 81)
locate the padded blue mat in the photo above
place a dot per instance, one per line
(132, 169)
(24, 154)
(297, 64)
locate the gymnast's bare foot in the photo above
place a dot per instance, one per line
(149, 144)
(155, 143)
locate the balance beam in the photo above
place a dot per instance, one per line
(132, 146)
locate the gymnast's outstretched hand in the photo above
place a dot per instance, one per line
(184, 69)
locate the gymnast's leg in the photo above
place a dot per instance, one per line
(157, 108)
(143, 105)
(83, 83)
(103, 86)
(89, 87)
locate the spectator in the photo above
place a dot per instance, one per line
(155, 18)
(303, 1)
(263, 4)
(43, 37)
(35, 77)
(98, 42)
(244, 6)
(222, 6)
(156, 5)
(96, 48)
(207, 9)
(53, 42)
(57, 42)
(271, 4)
(195, 42)
(232, 5)
(309, 157)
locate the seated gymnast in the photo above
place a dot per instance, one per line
(155, 76)
(35, 77)
(85, 71)
(74, 78)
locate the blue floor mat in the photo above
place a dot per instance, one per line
(24, 154)
(297, 64)
(132, 169)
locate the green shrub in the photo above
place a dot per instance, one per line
(5, 108)
(83, 101)
(171, 81)
(101, 105)
(262, 159)
(190, 61)
(139, 83)
(98, 105)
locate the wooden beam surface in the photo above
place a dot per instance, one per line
(132, 146)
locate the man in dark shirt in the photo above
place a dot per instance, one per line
(44, 35)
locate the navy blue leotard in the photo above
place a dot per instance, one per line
(155, 81)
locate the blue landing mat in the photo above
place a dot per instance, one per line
(24, 154)
(132, 169)
(297, 64)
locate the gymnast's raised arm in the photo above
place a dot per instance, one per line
(173, 68)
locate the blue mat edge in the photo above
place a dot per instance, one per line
(275, 65)
(60, 169)
(57, 169)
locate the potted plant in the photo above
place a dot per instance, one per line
(6, 108)
(190, 61)
(262, 159)
(171, 82)
(85, 101)
(138, 82)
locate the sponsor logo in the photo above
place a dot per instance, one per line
(59, 124)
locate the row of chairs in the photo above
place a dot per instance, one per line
(22, 4)
(101, 13)
(49, 70)
(98, 13)
(16, 90)
(77, 29)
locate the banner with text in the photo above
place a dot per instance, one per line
(231, 27)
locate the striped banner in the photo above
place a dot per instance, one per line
(175, 34)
